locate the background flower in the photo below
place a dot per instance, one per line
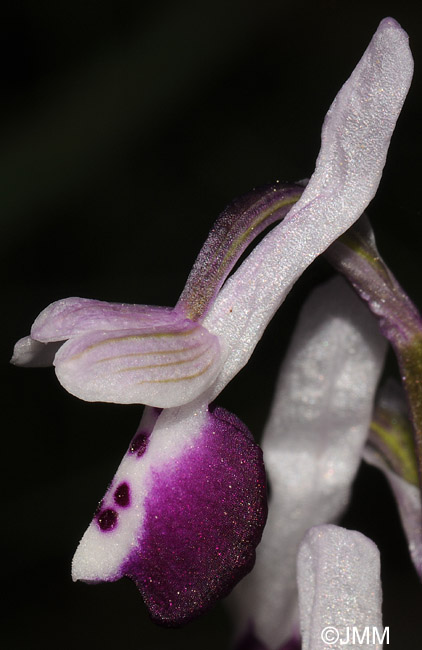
(312, 443)
(117, 126)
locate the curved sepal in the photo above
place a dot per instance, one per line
(74, 316)
(354, 144)
(356, 256)
(236, 227)
(183, 514)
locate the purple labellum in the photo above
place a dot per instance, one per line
(122, 495)
(139, 444)
(204, 516)
(107, 519)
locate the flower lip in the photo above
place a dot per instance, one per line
(196, 513)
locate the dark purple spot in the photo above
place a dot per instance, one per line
(138, 444)
(122, 495)
(107, 519)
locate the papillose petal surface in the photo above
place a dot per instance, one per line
(183, 514)
(354, 143)
(74, 316)
(339, 590)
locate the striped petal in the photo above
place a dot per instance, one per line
(112, 352)
(183, 514)
(71, 317)
(157, 366)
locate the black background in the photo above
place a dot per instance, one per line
(126, 128)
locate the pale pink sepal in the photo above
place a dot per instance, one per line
(354, 145)
(73, 316)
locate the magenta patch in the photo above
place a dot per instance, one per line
(204, 518)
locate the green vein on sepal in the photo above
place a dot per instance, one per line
(356, 256)
(391, 434)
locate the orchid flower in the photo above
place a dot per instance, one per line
(186, 508)
(313, 444)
